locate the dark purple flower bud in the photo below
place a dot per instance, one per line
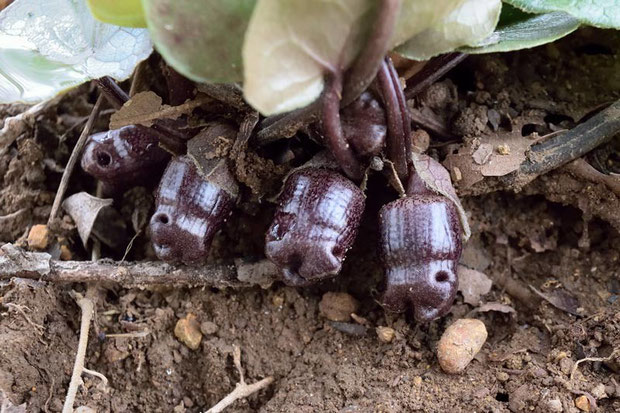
(190, 209)
(364, 125)
(420, 248)
(122, 158)
(315, 224)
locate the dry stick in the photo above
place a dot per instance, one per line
(15, 262)
(112, 91)
(242, 390)
(431, 72)
(77, 151)
(87, 308)
(557, 151)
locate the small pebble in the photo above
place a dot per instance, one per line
(417, 380)
(38, 237)
(555, 406)
(338, 306)
(208, 328)
(503, 149)
(65, 253)
(385, 334)
(582, 403)
(188, 332)
(460, 343)
(502, 376)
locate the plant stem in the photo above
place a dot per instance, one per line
(395, 143)
(431, 72)
(332, 128)
(367, 63)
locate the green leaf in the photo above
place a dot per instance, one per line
(290, 45)
(469, 23)
(599, 13)
(418, 15)
(50, 46)
(523, 33)
(200, 39)
(126, 13)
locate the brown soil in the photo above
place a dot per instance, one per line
(559, 235)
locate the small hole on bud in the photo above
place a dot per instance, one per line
(104, 159)
(442, 276)
(162, 218)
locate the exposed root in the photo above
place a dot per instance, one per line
(578, 362)
(87, 306)
(37, 327)
(242, 389)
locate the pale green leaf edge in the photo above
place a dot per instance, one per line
(599, 13)
(535, 31)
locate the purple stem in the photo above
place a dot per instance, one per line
(396, 148)
(333, 128)
(431, 72)
(367, 63)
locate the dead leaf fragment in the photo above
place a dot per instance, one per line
(483, 153)
(494, 306)
(473, 284)
(560, 299)
(84, 209)
(145, 107)
(136, 110)
(437, 178)
(6, 406)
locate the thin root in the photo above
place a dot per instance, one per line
(578, 362)
(242, 390)
(87, 307)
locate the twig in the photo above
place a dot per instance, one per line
(242, 390)
(367, 63)
(431, 72)
(77, 150)
(87, 307)
(557, 151)
(15, 262)
(112, 91)
(139, 334)
(578, 362)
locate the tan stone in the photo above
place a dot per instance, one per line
(460, 343)
(188, 332)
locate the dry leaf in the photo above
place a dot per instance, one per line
(6, 406)
(136, 109)
(495, 154)
(145, 107)
(561, 299)
(494, 306)
(473, 284)
(437, 178)
(84, 209)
